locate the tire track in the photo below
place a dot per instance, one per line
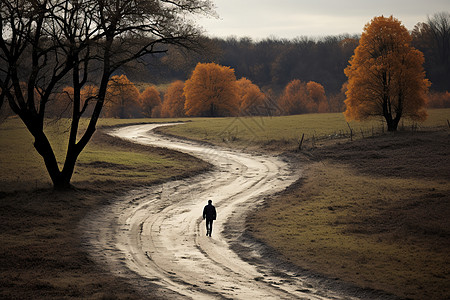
(156, 235)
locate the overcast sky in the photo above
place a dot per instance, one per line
(260, 19)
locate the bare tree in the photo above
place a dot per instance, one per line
(439, 29)
(48, 43)
(433, 39)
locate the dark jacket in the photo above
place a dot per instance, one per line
(209, 212)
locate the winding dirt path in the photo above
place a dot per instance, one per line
(156, 237)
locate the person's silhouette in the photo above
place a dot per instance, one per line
(209, 213)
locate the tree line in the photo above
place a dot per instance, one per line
(272, 63)
(211, 91)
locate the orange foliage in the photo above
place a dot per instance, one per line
(299, 98)
(89, 95)
(150, 102)
(439, 100)
(317, 93)
(62, 106)
(336, 101)
(293, 99)
(122, 98)
(211, 91)
(251, 98)
(385, 75)
(173, 105)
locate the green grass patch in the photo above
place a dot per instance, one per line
(286, 131)
(102, 161)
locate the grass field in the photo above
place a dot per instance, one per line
(23, 168)
(373, 212)
(285, 132)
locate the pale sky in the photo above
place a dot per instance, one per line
(260, 19)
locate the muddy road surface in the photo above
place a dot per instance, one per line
(157, 239)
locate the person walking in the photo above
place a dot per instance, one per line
(209, 213)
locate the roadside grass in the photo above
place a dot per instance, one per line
(374, 212)
(23, 168)
(284, 133)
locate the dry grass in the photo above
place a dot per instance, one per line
(373, 212)
(40, 252)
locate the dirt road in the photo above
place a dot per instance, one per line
(156, 236)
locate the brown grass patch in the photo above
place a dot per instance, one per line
(374, 212)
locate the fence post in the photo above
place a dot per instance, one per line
(351, 132)
(300, 143)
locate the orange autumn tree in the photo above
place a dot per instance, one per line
(316, 93)
(64, 99)
(292, 100)
(211, 91)
(173, 105)
(301, 98)
(62, 103)
(251, 99)
(88, 99)
(386, 76)
(149, 101)
(122, 98)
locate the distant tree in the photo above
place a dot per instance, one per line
(122, 98)
(173, 105)
(433, 39)
(317, 94)
(301, 98)
(156, 111)
(211, 91)
(336, 101)
(63, 101)
(50, 44)
(251, 98)
(149, 100)
(439, 100)
(385, 75)
(293, 100)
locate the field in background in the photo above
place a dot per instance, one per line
(286, 132)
